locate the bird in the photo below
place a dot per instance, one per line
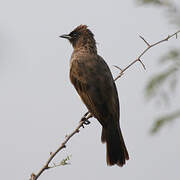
(93, 81)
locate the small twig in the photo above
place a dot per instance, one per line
(63, 145)
(117, 67)
(84, 119)
(120, 74)
(62, 163)
(145, 41)
(143, 65)
(149, 46)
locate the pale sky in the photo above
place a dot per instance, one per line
(39, 106)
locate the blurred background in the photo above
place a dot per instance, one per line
(39, 106)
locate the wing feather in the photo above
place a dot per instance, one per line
(95, 85)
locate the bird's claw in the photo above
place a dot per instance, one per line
(85, 120)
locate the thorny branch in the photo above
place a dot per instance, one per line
(84, 119)
(149, 46)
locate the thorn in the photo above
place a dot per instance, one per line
(168, 37)
(121, 71)
(145, 41)
(118, 68)
(176, 35)
(142, 64)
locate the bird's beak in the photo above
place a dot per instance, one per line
(65, 36)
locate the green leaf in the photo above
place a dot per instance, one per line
(156, 82)
(161, 121)
(153, 2)
(170, 8)
(65, 161)
(172, 56)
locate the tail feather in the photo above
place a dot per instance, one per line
(116, 149)
(103, 135)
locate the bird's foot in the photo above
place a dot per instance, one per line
(85, 118)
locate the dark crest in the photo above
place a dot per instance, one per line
(83, 34)
(80, 30)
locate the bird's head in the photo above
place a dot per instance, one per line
(80, 36)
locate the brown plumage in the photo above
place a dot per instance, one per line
(94, 83)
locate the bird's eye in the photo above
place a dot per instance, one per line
(74, 34)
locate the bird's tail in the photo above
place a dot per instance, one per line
(116, 152)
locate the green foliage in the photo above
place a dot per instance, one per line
(171, 9)
(154, 2)
(159, 123)
(65, 161)
(172, 55)
(168, 77)
(161, 85)
(156, 82)
(156, 86)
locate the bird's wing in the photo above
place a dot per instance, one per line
(94, 83)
